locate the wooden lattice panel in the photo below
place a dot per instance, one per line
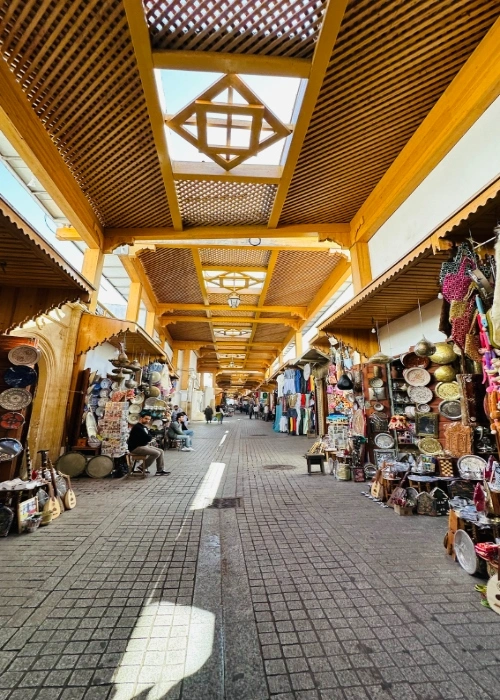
(278, 28)
(234, 314)
(298, 275)
(205, 203)
(388, 70)
(77, 67)
(172, 274)
(190, 331)
(235, 256)
(251, 299)
(271, 332)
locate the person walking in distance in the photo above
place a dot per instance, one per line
(250, 410)
(138, 445)
(209, 414)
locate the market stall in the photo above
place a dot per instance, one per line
(34, 282)
(131, 376)
(423, 425)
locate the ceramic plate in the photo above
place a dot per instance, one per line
(134, 408)
(11, 420)
(20, 376)
(420, 394)
(417, 376)
(104, 393)
(450, 409)
(465, 552)
(378, 406)
(24, 355)
(384, 441)
(149, 403)
(471, 467)
(157, 424)
(115, 386)
(91, 425)
(102, 402)
(430, 446)
(106, 383)
(447, 391)
(376, 383)
(423, 408)
(138, 399)
(15, 399)
(410, 359)
(99, 412)
(133, 418)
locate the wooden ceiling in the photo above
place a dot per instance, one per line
(84, 72)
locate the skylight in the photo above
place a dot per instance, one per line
(180, 88)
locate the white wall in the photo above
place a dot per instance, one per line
(407, 331)
(99, 358)
(472, 164)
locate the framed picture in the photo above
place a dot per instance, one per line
(24, 511)
(381, 456)
(427, 424)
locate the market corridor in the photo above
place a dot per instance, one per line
(304, 590)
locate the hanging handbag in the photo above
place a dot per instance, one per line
(472, 342)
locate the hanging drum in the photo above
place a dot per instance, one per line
(99, 467)
(71, 464)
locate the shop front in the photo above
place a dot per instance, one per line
(41, 304)
(413, 402)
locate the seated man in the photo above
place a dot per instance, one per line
(175, 432)
(138, 445)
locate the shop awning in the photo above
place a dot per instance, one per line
(415, 278)
(95, 330)
(312, 356)
(34, 278)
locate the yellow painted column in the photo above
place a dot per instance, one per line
(360, 266)
(298, 344)
(93, 260)
(134, 301)
(150, 322)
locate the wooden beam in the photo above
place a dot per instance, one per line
(214, 62)
(293, 310)
(330, 26)
(134, 301)
(25, 132)
(339, 233)
(224, 321)
(360, 266)
(136, 272)
(234, 268)
(339, 275)
(93, 261)
(470, 93)
(263, 174)
(139, 33)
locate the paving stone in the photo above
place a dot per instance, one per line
(318, 601)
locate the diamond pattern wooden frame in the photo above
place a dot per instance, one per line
(196, 112)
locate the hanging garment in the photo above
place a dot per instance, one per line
(289, 384)
(284, 424)
(280, 381)
(277, 419)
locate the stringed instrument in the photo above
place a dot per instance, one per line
(53, 505)
(69, 497)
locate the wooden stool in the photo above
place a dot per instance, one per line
(315, 459)
(131, 464)
(175, 442)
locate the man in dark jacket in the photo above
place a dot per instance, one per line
(138, 445)
(175, 432)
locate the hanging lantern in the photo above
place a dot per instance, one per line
(379, 358)
(424, 348)
(234, 300)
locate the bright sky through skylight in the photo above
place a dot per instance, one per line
(181, 87)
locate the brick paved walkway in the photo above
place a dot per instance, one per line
(305, 591)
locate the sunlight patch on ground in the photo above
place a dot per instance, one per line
(208, 487)
(170, 642)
